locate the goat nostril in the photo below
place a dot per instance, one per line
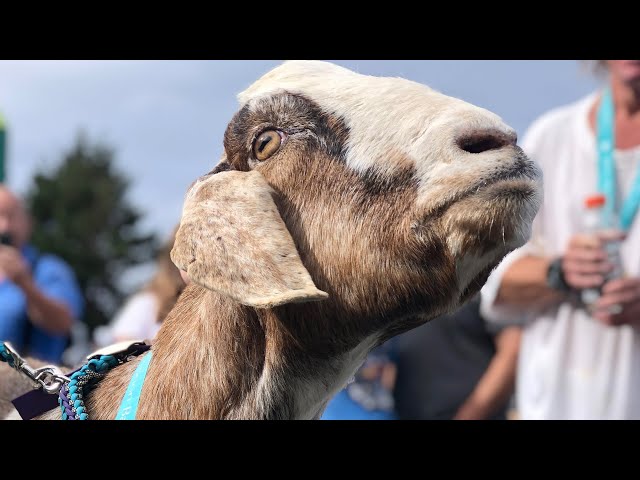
(479, 142)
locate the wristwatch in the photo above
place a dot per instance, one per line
(555, 277)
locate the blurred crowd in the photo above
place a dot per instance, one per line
(552, 335)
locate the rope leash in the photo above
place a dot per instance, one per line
(71, 396)
(73, 390)
(5, 356)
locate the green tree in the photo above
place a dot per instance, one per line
(81, 213)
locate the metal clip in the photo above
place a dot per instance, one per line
(49, 377)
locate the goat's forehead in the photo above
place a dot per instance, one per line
(347, 94)
(323, 78)
(382, 113)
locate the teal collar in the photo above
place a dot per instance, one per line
(131, 398)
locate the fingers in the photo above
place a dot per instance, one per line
(7, 251)
(621, 284)
(5, 255)
(620, 302)
(618, 298)
(585, 242)
(11, 263)
(587, 268)
(622, 292)
(611, 235)
(585, 263)
(586, 255)
(580, 281)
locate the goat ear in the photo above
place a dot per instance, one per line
(232, 240)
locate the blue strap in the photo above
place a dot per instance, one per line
(607, 169)
(131, 398)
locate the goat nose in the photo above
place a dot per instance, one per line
(479, 141)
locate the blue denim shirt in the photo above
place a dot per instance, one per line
(56, 280)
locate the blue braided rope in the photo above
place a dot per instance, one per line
(72, 394)
(5, 356)
(71, 397)
(65, 404)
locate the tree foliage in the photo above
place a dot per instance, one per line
(81, 213)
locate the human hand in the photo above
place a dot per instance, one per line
(12, 265)
(585, 263)
(619, 303)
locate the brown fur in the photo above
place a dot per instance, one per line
(387, 261)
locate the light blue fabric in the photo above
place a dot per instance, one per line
(342, 407)
(607, 170)
(365, 398)
(131, 398)
(56, 280)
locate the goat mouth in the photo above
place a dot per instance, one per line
(522, 176)
(522, 171)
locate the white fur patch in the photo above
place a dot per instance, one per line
(386, 115)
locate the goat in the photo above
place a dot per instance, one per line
(346, 209)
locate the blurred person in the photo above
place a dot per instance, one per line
(143, 313)
(369, 395)
(40, 299)
(456, 367)
(578, 362)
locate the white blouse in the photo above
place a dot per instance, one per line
(570, 366)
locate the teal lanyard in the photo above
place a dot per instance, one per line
(607, 167)
(129, 404)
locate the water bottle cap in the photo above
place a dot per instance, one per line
(595, 201)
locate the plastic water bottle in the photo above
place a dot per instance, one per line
(595, 221)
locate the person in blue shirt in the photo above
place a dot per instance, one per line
(39, 296)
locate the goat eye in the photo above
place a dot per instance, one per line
(267, 143)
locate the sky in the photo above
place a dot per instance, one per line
(166, 118)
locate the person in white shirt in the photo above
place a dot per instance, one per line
(575, 362)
